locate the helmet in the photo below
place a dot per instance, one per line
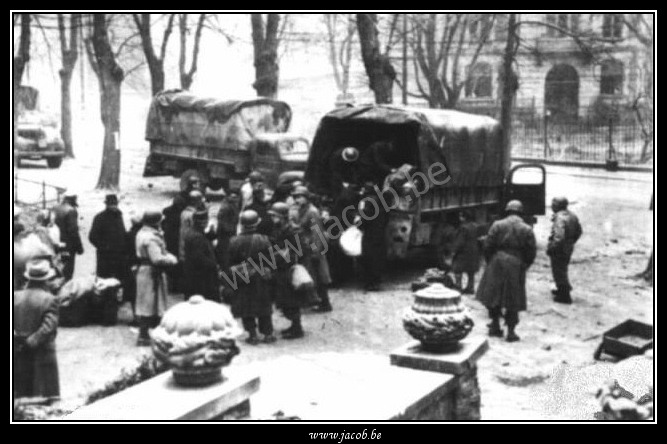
(279, 209)
(301, 191)
(350, 154)
(514, 206)
(255, 176)
(559, 203)
(250, 219)
(152, 217)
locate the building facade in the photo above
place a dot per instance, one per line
(595, 69)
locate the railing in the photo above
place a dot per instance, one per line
(32, 194)
(583, 141)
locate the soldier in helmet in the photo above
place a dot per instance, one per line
(287, 299)
(252, 295)
(344, 166)
(510, 250)
(248, 188)
(565, 232)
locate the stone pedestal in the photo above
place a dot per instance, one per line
(463, 403)
(161, 399)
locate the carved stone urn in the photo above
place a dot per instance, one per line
(437, 318)
(196, 338)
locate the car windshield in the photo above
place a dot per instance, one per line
(292, 147)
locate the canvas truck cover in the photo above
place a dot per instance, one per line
(180, 118)
(469, 146)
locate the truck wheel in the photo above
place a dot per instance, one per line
(54, 162)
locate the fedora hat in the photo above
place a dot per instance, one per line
(111, 199)
(39, 270)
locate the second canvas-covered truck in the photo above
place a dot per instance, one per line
(222, 141)
(468, 146)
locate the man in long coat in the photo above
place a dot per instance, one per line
(510, 249)
(228, 220)
(200, 268)
(35, 327)
(306, 221)
(466, 253)
(108, 236)
(565, 232)
(67, 220)
(252, 299)
(373, 244)
(151, 279)
(287, 299)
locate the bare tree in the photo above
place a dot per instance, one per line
(265, 41)
(438, 41)
(70, 54)
(340, 52)
(187, 76)
(155, 62)
(380, 71)
(21, 59)
(110, 76)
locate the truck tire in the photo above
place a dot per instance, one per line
(54, 162)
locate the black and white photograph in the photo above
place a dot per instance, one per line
(344, 219)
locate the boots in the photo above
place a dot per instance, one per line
(511, 335)
(494, 328)
(325, 304)
(562, 295)
(252, 339)
(295, 331)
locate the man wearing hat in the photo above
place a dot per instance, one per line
(195, 203)
(306, 221)
(108, 235)
(200, 268)
(510, 249)
(287, 299)
(252, 295)
(261, 207)
(228, 220)
(67, 220)
(154, 259)
(35, 325)
(565, 232)
(344, 167)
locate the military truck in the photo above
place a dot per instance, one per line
(222, 141)
(468, 146)
(38, 132)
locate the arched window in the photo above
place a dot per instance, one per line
(479, 81)
(611, 77)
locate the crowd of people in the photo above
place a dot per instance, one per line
(181, 250)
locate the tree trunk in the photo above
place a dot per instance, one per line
(381, 73)
(66, 111)
(20, 61)
(509, 89)
(265, 46)
(110, 108)
(70, 54)
(110, 76)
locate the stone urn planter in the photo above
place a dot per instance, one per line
(196, 338)
(437, 318)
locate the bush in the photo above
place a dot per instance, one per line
(148, 367)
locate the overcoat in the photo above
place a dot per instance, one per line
(151, 279)
(252, 299)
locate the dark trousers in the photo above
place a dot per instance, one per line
(293, 314)
(265, 325)
(146, 323)
(559, 265)
(373, 253)
(511, 316)
(68, 265)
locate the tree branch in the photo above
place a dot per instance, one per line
(165, 37)
(195, 51)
